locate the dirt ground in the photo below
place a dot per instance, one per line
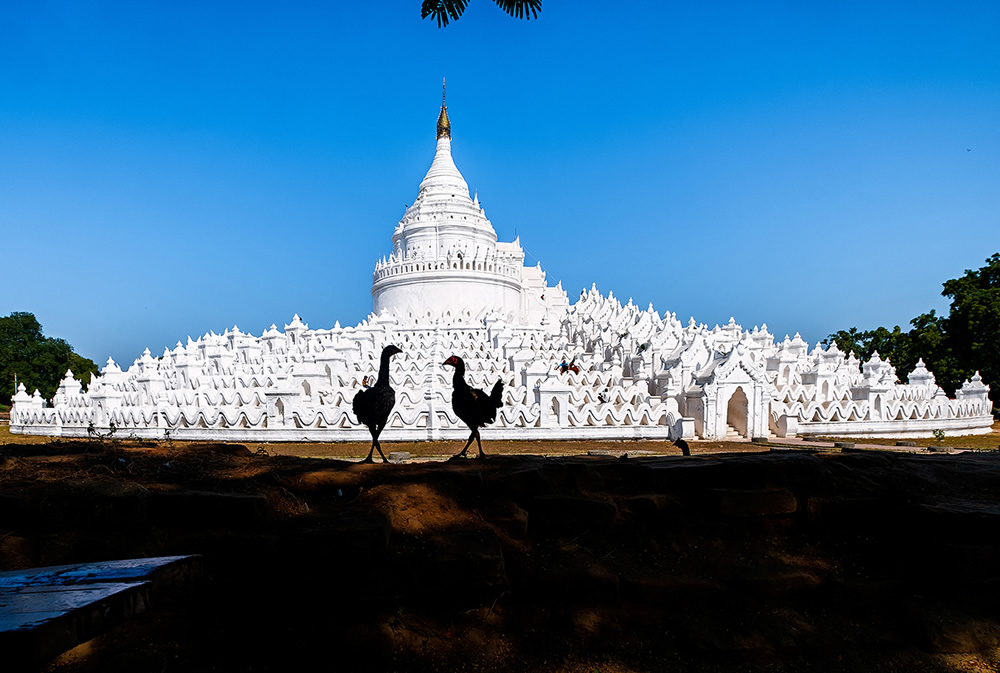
(424, 450)
(540, 558)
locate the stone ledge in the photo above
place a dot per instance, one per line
(46, 611)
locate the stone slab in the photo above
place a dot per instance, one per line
(25, 607)
(46, 611)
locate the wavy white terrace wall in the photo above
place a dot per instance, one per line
(641, 376)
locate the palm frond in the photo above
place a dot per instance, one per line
(443, 10)
(520, 8)
(446, 11)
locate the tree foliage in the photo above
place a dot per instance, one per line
(446, 11)
(38, 361)
(952, 347)
(974, 322)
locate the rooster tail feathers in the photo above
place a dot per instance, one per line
(496, 395)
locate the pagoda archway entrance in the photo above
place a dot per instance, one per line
(736, 411)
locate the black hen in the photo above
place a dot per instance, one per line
(373, 405)
(472, 405)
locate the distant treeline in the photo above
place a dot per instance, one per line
(38, 361)
(952, 347)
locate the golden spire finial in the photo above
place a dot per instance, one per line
(444, 125)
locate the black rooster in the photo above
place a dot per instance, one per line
(472, 405)
(373, 405)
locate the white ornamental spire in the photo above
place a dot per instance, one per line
(444, 124)
(443, 178)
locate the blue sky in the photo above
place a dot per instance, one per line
(169, 168)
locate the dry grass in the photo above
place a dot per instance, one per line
(7, 438)
(423, 450)
(990, 442)
(443, 450)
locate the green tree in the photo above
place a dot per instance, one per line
(973, 324)
(891, 345)
(847, 340)
(929, 340)
(39, 362)
(451, 10)
(953, 348)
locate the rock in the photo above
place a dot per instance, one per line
(202, 508)
(14, 511)
(512, 519)
(15, 550)
(846, 509)
(347, 540)
(780, 584)
(105, 503)
(560, 510)
(681, 473)
(747, 644)
(523, 483)
(587, 583)
(324, 480)
(669, 589)
(399, 456)
(141, 661)
(221, 448)
(949, 631)
(462, 566)
(964, 521)
(867, 593)
(652, 505)
(591, 623)
(758, 502)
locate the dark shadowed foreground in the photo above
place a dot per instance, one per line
(785, 561)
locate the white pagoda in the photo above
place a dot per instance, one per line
(449, 287)
(446, 258)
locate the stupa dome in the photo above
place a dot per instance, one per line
(446, 258)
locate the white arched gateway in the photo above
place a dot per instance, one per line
(732, 396)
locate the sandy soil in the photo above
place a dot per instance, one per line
(541, 558)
